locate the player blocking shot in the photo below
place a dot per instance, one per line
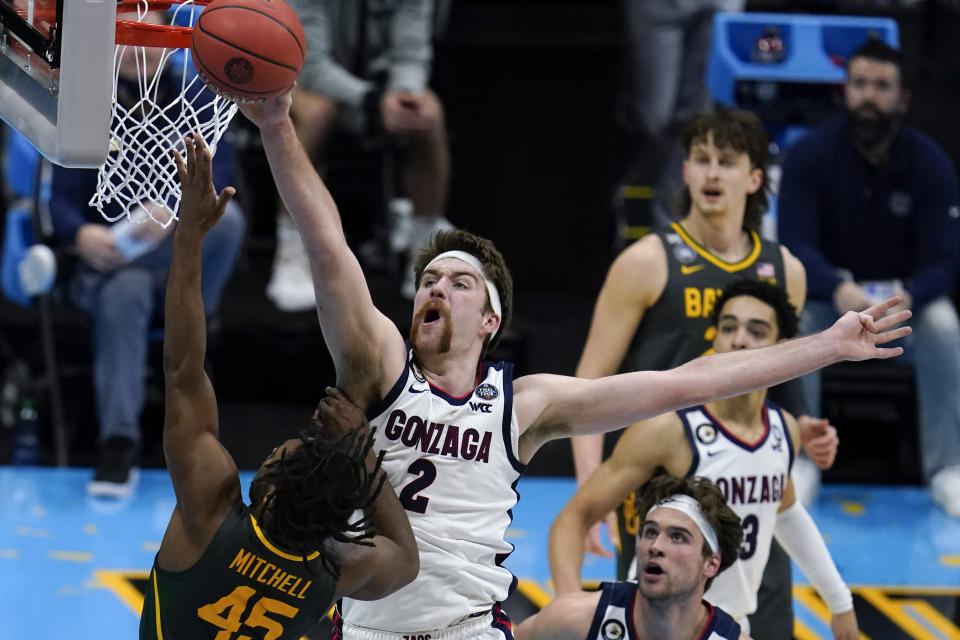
(270, 568)
(458, 484)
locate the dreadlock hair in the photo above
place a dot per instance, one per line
(494, 267)
(316, 488)
(743, 132)
(767, 293)
(713, 504)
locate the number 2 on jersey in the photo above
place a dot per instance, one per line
(426, 473)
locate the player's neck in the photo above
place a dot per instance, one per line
(721, 235)
(661, 621)
(741, 415)
(455, 374)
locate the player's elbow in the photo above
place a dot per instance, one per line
(571, 521)
(410, 569)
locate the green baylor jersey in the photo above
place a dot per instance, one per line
(243, 586)
(677, 328)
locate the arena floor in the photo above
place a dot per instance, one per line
(72, 566)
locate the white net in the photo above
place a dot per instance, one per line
(158, 100)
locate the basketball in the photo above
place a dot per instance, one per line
(248, 49)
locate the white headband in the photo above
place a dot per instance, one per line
(691, 507)
(463, 256)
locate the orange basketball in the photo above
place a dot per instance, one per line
(248, 49)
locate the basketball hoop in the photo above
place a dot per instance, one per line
(162, 101)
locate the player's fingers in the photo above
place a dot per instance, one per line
(888, 352)
(877, 310)
(224, 198)
(893, 320)
(867, 322)
(190, 153)
(181, 168)
(893, 334)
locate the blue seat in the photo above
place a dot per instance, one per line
(21, 165)
(17, 239)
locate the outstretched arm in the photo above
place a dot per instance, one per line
(367, 349)
(551, 407)
(204, 475)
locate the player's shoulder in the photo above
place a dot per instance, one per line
(660, 434)
(640, 270)
(570, 613)
(647, 252)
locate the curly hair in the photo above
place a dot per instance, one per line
(771, 294)
(494, 267)
(713, 504)
(743, 132)
(315, 490)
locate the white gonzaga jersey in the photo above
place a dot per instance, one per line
(453, 464)
(613, 619)
(752, 476)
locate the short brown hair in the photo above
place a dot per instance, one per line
(743, 132)
(715, 509)
(494, 267)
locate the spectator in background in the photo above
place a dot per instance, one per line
(367, 67)
(662, 88)
(119, 279)
(869, 204)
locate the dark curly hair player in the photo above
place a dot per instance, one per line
(273, 567)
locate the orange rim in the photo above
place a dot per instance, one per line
(131, 32)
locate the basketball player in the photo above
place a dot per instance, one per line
(225, 567)
(458, 431)
(688, 537)
(745, 445)
(654, 309)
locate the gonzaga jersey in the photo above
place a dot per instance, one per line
(613, 619)
(752, 476)
(677, 329)
(453, 464)
(243, 586)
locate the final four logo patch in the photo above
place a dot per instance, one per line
(486, 391)
(706, 433)
(613, 630)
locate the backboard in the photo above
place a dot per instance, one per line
(56, 76)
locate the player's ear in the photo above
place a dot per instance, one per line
(491, 321)
(711, 565)
(756, 180)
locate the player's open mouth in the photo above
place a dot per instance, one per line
(652, 569)
(713, 193)
(431, 316)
